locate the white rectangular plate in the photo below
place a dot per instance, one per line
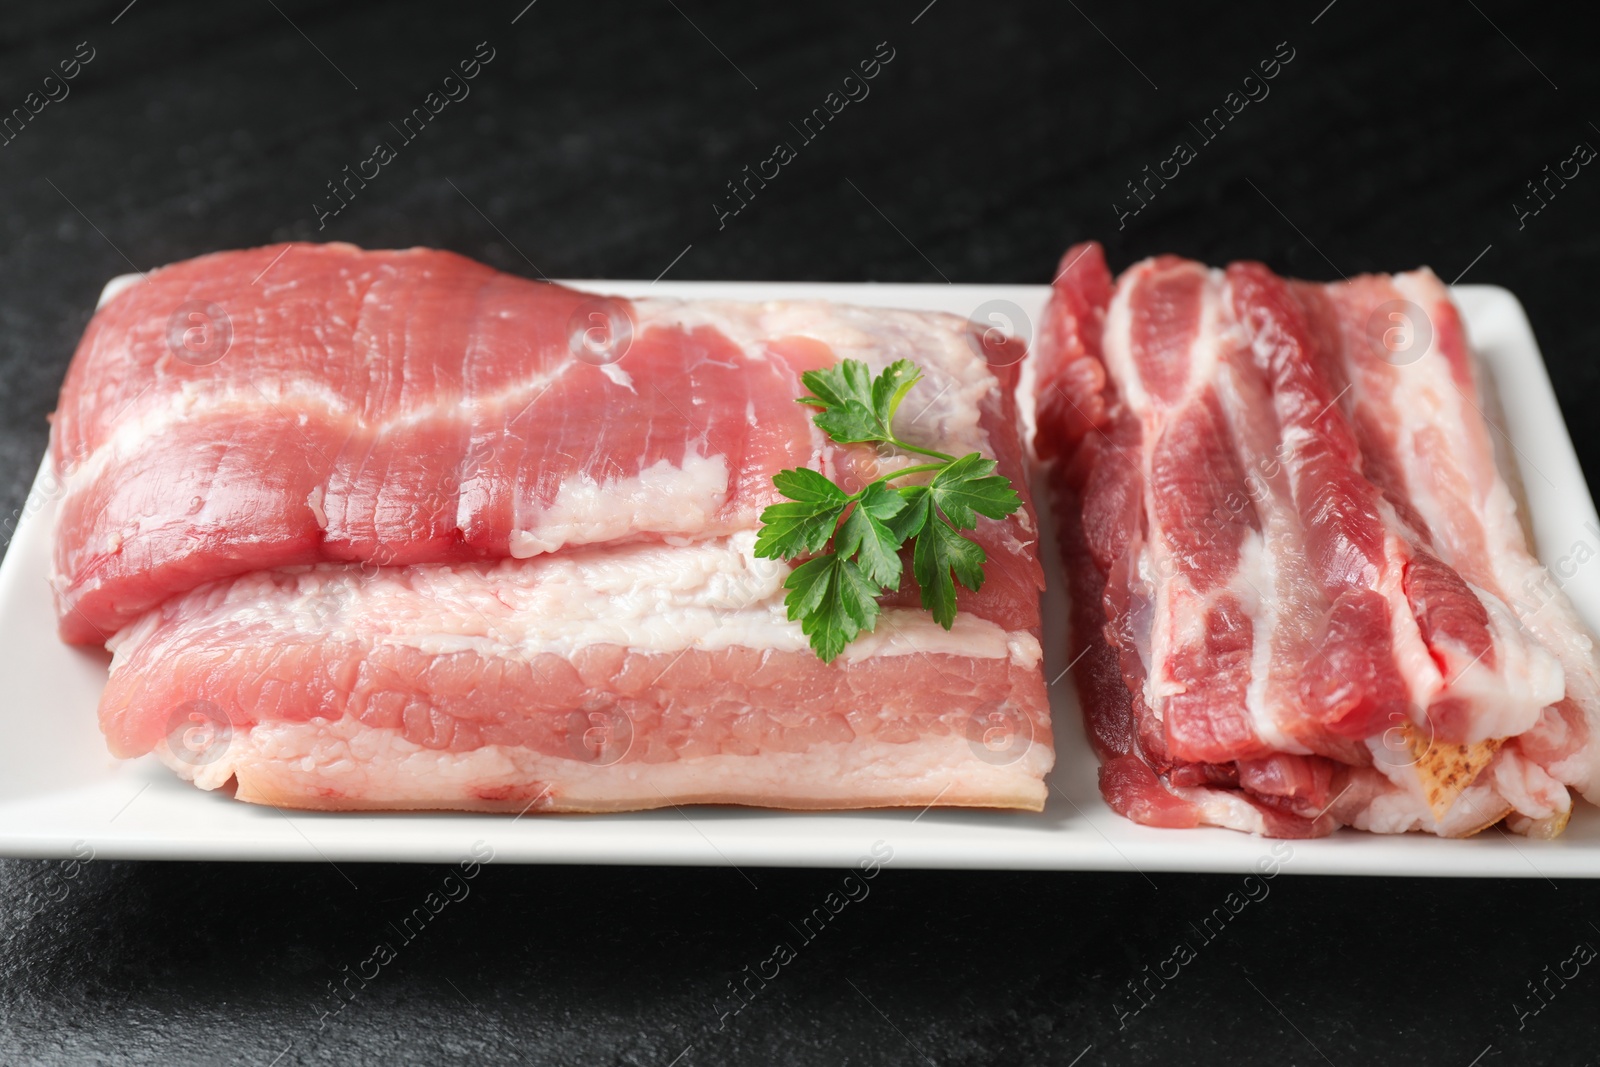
(60, 790)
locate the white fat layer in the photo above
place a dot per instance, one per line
(662, 498)
(1543, 610)
(941, 412)
(1395, 762)
(153, 413)
(1511, 695)
(1152, 641)
(115, 288)
(1224, 807)
(1255, 579)
(1205, 355)
(1399, 811)
(1117, 347)
(1528, 788)
(618, 376)
(314, 502)
(1272, 580)
(378, 767)
(709, 595)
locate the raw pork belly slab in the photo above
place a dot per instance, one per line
(373, 530)
(1302, 595)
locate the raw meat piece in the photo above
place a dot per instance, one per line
(417, 407)
(587, 680)
(410, 543)
(1294, 546)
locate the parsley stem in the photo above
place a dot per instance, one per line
(941, 456)
(918, 469)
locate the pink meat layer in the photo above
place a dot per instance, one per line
(430, 686)
(309, 403)
(1294, 561)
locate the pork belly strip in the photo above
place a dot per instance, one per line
(588, 680)
(1423, 423)
(1280, 794)
(1288, 628)
(417, 407)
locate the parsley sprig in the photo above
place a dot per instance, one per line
(854, 539)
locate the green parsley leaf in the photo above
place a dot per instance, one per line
(857, 408)
(833, 601)
(856, 539)
(844, 392)
(969, 485)
(865, 536)
(940, 549)
(805, 524)
(890, 388)
(805, 484)
(849, 423)
(849, 379)
(909, 521)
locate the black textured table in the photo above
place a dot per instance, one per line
(599, 141)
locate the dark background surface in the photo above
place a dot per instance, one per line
(594, 145)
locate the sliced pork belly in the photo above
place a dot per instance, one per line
(1294, 547)
(411, 541)
(417, 407)
(587, 680)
